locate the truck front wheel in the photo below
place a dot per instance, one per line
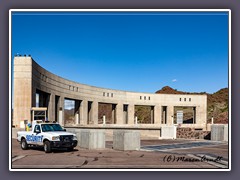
(70, 149)
(24, 144)
(47, 147)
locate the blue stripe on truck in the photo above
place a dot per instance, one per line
(33, 138)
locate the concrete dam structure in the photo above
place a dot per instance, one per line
(31, 80)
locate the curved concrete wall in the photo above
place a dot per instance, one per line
(29, 77)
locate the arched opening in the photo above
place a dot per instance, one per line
(144, 114)
(69, 114)
(184, 115)
(106, 111)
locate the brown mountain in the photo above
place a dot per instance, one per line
(217, 103)
(169, 90)
(218, 106)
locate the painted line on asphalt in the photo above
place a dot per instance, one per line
(180, 146)
(223, 162)
(17, 158)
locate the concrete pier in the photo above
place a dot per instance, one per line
(219, 132)
(126, 140)
(92, 139)
(169, 132)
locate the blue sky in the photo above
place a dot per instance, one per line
(140, 52)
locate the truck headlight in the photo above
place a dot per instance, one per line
(74, 137)
(55, 138)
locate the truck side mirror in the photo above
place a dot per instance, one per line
(64, 129)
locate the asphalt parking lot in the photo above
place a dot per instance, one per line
(154, 154)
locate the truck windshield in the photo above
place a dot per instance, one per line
(51, 127)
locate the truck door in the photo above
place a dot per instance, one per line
(37, 136)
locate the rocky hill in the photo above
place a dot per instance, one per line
(169, 90)
(217, 103)
(218, 106)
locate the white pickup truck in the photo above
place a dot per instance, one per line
(48, 135)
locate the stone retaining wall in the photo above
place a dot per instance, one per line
(191, 133)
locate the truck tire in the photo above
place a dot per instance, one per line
(47, 147)
(24, 144)
(70, 149)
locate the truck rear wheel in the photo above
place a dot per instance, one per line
(47, 147)
(24, 144)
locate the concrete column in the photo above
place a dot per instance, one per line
(201, 116)
(170, 113)
(77, 111)
(83, 112)
(94, 112)
(114, 113)
(125, 114)
(152, 114)
(157, 114)
(57, 106)
(22, 90)
(51, 107)
(119, 113)
(89, 112)
(34, 97)
(33, 102)
(194, 115)
(131, 111)
(136, 120)
(76, 117)
(104, 119)
(164, 115)
(198, 115)
(61, 110)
